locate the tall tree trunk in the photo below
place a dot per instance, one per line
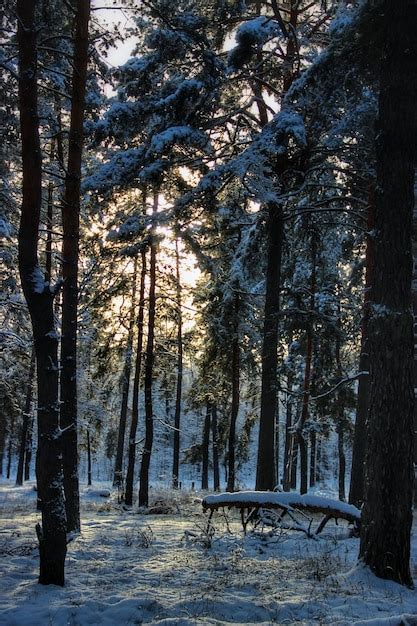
(286, 483)
(39, 297)
(29, 446)
(294, 462)
(89, 473)
(26, 420)
(70, 253)
(340, 417)
(313, 458)
(127, 369)
(205, 448)
(10, 446)
(414, 298)
(265, 470)
(136, 387)
(2, 440)
(231, 478)
(177, 418)
(215, 435)
(360, 435)
(387, 510)
(149, 358)
(302, 441)
(342, 457)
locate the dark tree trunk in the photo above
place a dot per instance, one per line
(340, 417)
(205, 449)
(29, 445)
(387, 510)
(360, 435)
(235, 402)
(302, 441)
(265, 471)
(149, 358)
(313, 452)
(318, 459)
(286, 483)
(70, 253)
(89, 475)
(177, 418)
(294, 462)
(2, 440)
(127, 369)
(136, 388)
(414, 297)
(342, 457)
(10, 447)
(215, 435)
(39, 297)
(26, 421)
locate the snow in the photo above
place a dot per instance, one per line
(128, 568)
(285, 499)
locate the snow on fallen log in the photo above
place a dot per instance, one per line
(284, 501)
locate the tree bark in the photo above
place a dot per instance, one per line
(231, 476)
(70, 254)
(286, 483)
(265, 470)
(178, 395)
(29, 445)
(360, 435)
(39, 297)
(387, 510)
(89, 473)
(149, 358)
(313, 452)
(10, 446)
(302, 442)
(26, 421)
(127, 369)
(215, 435)
(136, 387)
(205, 448)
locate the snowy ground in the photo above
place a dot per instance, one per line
(130, 568)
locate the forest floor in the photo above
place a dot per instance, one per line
(132, 568)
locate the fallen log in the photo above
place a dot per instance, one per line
(286, 502)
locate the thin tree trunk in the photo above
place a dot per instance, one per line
(88, 459)
(294, 462)
(10, 447)
(360, 435)
(127, 369)
(340, 418)
(286, 483)
(177, 418)
(136, 387)
(215, 435)
(387, 510)
(29, 445)
(205, 448)
(235, 401)
(149, 358)
(40, 297)
(313, 458)
(2, 440)
(302, 441)
(70, 254)
(26, 420)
